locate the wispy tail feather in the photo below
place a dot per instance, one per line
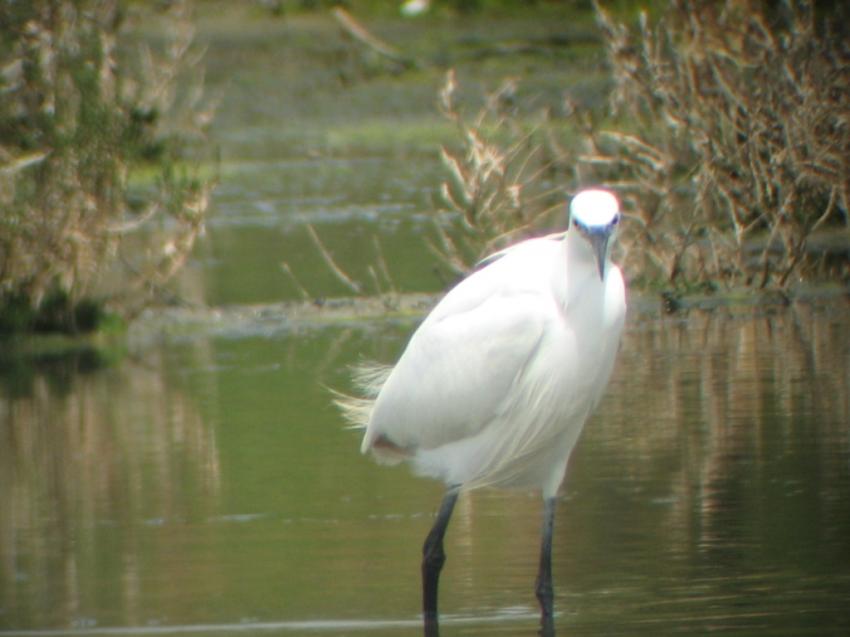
(368, 378)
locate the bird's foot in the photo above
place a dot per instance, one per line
(431, 624)
(546, 597)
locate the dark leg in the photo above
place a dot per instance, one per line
(545, 593)
(433, 558)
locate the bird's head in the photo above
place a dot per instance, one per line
(594, 215)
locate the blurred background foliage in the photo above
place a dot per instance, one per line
(723, 126)
(95, 153)
(726, 134)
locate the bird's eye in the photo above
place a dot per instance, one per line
(615, 220)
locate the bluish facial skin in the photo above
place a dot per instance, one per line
(598, 236)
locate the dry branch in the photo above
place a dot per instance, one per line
(744, 138)
(362, 35)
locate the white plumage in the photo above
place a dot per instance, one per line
(495, 385)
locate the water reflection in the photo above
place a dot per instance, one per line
(209, 484)
(733, 399)
(86, 455)
(728, 437)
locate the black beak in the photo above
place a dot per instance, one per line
(599, 242)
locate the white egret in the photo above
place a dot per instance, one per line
(495, 385)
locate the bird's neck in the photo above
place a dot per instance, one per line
(581, 261)
(582, 282)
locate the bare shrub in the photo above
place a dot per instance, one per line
(76, 117)
(735, 142)
(728, 142)
(497, 189)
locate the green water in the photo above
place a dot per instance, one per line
(209, 484)
(206, 485)
(362, 209)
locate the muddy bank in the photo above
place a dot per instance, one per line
(368, 312)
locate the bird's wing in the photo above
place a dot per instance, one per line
(458, 370)
(495, 256)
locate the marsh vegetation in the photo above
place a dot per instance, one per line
(100, 204)
(724, 131)
(726, 135)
